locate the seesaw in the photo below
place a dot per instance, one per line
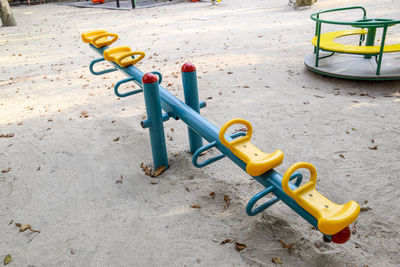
(362, 60)
(331, 219)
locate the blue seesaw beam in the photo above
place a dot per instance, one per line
(330, 219)
(271, 180)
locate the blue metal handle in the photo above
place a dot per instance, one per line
(249, 208)
(99, 72)
(207, 161)
(206, 147)
(117, 93)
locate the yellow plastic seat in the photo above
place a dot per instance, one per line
(99, 38)
(331, 217)
(257, 162)
(123, 55)
(327, 42)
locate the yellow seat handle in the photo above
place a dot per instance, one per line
(228, 124)
(98, 37)
(291, 170)
(132, 61)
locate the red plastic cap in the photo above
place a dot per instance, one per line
(342, 237)
(188, 67)
(149, 78)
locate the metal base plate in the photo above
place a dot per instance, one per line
(355, 67)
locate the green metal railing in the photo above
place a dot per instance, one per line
(370, 24)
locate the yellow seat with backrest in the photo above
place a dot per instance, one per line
(331, 217)
(99, 38)
(123, 56)
(257, 162)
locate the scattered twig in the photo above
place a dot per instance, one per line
(288, 247)
(354, 230)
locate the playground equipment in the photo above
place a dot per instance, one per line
(356, 61)
(331, 219)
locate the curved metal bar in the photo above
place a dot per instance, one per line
(207, 161)
(249, 208)
(99, 72)
(117, 93)
(206, 147)
(360, 24)
(331, 54)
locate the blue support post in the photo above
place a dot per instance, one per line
(154, 115)
(190, 90)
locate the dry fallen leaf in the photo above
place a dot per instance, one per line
(195, 206)
(116, 139)
(187, 189)
(159, 171)
(203, 153)
(24, 227)
(365, 209)
(84, 114)
(277, 260)
(212, 195)
(7, 259)
(6, 170)
(228, 240)
(288, 247)
(373, 147)
(240, 246)
(342, 156)
(227, 202)
(7, 135)
(152, 182)
(147, 170)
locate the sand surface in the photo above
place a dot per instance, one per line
(78, 179)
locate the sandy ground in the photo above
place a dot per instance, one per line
(70, 178)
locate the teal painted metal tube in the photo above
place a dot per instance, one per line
(91, 67)
(156, 129)
(191, 93)
(118, 84)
